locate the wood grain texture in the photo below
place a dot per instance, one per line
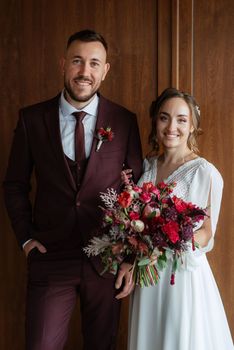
(214, 90)
(164, 44)
(186, 45)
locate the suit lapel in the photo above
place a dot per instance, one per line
(51, 118)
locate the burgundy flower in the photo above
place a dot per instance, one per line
(186, 232)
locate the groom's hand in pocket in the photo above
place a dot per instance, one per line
(31, 244)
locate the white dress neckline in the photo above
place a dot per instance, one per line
(177, 170)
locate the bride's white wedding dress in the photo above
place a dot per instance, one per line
(188, 315)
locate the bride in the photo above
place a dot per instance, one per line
(188, 315)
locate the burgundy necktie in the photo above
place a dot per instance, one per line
(79, 136)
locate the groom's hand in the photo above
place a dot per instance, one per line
(33, 244)
(124, 280)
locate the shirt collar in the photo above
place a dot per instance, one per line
(67, 109)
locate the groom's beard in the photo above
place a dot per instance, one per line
(76, 95)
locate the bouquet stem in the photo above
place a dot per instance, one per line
(146, 275)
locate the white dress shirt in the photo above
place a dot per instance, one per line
(68, 123)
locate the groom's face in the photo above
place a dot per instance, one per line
(84, 68)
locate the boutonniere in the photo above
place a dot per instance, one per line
(103, 135)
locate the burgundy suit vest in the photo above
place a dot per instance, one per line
(77, 170)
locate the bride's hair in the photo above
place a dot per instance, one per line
(195, 113)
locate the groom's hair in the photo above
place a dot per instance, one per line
(87, 35)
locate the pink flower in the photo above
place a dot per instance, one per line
(133, 215)
(145, 197)
(171, 229)
(149, 209)
(137, 189)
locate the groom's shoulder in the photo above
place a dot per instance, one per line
(41, 106)
(115, 107)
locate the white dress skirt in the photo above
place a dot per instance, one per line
(188, 315)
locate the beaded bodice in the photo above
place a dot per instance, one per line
(183, 175)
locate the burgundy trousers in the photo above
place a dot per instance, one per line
(53, 288)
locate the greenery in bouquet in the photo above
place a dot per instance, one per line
(147, 223)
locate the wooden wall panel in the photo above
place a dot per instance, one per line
(32, 40)
(214, 89)
(164, 44)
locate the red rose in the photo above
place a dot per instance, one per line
(125, 199)
(148, 186)
(171, 229)
(162, 185)
(180, 205)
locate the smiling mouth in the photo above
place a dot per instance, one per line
(171, 136)
(83, 82)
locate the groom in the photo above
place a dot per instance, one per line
(60, 145)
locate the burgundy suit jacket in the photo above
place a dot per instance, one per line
(58, 207)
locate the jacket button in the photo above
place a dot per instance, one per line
(77, 203)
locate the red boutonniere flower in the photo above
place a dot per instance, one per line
(103, 135)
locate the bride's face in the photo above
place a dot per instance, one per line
(174, 123)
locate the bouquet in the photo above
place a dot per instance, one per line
(148, 224)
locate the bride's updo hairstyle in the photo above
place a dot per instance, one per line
(195, 113)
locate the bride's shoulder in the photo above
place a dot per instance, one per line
(208, 168)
